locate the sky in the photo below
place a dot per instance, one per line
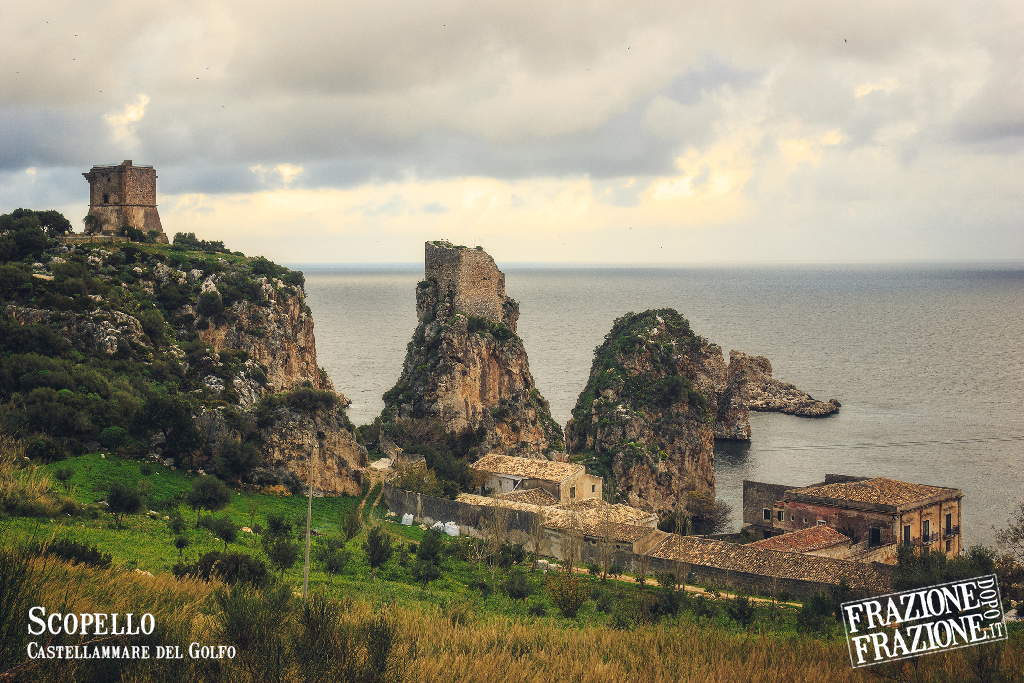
(571, 131)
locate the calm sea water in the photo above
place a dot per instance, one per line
(927, 360)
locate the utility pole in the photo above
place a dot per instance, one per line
(309, 520)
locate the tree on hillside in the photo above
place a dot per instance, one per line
(225, 529)
(378, 549)
(350, 526)
(172, 417)
(427, 566)
(281, 550)
(121, 500)
(208, 493)
(333, 556)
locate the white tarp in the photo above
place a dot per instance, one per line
(407, 519)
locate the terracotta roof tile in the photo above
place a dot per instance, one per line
(528, 468)
(880, 490)
(536, 496)
(744, 558)
(804, 540)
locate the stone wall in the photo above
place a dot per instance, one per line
(471, 277)
(731, 579)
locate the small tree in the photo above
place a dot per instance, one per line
(495, 529)
(537, 534)
(92, 224)
(121, 500)
(378, 549)
(425, 572)
(350, 525)
(281, 551)
(181, 543)
(225, 530)
(208, 493)
(333, 556)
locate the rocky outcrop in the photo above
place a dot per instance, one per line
(337, 459)
(645, 420)
(657, 397)
(276, 332)
(756, 389)
(465, 368)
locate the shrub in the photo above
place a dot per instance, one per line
(516, 586)
(567, 592)
(231, 568)
(75, 552)
(704, 607)
(210, 304)
(537, 609)
(741, 610)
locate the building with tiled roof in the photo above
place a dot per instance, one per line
(875, 513)
(816, 540)
(564, 481)
(720, 562)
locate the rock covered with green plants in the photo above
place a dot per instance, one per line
(645, 420)
(185, 352)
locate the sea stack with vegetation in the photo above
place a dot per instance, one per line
(466, 386)
(187, 352)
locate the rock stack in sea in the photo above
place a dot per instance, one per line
(466, 374)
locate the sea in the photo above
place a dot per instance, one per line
(927, 359)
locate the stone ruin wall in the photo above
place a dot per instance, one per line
(477, 285)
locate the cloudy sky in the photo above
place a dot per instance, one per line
(592, 131)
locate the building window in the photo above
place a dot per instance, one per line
(593, 488)
(805, 520)
(906, 534)
(572, 492)
(106, 199)
(767, 513)
(821, 522)
(949, 545)
(949, 525)
(874, 537)
(780, 515)
(926, 530)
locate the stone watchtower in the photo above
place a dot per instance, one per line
(471, 277)
(124, 195)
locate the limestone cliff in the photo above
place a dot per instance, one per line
(645, 420)
(172, 352)
(465, 367)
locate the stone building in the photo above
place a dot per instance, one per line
(563, 482)
(875, 514)
(124, 195)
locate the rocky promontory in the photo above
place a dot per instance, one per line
(756, 389)
(466, 370)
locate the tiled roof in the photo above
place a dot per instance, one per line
(804, 540)
(528, 468)
(744, 558)
(537, 496)
(880, 491)
(623, 522)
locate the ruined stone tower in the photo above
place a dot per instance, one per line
(472, 279)
(124, 195)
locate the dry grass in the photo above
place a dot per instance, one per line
(430, 644)
(26, 489)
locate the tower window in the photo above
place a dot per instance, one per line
(106, 199)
